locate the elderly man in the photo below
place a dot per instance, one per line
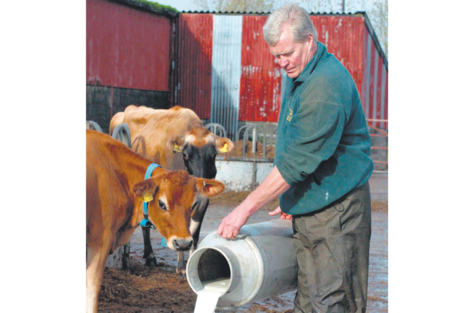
(321, 169)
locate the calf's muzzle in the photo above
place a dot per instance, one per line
(182, 244)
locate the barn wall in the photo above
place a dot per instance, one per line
(127, 59)
(171, 61)
(260, 80)
(126, 47)
(226, 70)
(343, 36)
(374, 95)
(193, 63)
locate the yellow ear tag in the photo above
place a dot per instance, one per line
(148, 198)
(224, 148)
(177, 148)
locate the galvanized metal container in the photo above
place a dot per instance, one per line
(260, 264)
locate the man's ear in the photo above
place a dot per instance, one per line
(146, 189)
(223, 145)
(209, 187)
(176, 143)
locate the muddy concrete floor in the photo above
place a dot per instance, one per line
(160, 289)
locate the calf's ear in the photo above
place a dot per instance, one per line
(209, 187)
(176, 143)
(145, 190)
(223, 145)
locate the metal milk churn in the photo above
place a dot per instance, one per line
(259, 263)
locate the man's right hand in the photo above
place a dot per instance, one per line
(278, 210)
(231, 224)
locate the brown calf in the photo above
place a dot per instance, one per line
(115, 193)
(176, 139)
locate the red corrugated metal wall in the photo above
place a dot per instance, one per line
(343, 36)
(387, 100)
(126, 47)
(378, 90)
(194, 63)
(370, 113)
(373, 82)
(261, 79)
(260, 84)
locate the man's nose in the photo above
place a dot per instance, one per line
(283, 61)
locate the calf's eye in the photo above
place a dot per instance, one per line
(162, 205)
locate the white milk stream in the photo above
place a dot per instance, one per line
(208, 297)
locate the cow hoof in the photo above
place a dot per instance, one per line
(181, 272)
(151, 262)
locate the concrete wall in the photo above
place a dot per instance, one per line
(239, 175)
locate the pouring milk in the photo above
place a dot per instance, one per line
(208, 297)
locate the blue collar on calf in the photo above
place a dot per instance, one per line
(145, 222)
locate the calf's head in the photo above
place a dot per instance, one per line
(199, 147)
(171, 197)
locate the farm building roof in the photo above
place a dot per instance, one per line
(148, 6)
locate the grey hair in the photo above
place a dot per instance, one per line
(294, 16)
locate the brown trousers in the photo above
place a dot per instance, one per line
(332, 247)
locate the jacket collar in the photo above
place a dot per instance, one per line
(321, 50)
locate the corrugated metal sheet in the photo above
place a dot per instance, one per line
(343, 36)
(376, 72)
(126, 48)
(375, 84)
(348, 37)
(261, 78)
(382, 96)
(226, 71)
(387, 100)
(193, 63)
(378, 91)
(375, 100)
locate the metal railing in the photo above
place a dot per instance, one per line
(375, 138)
(257, 131)
(254, 129)
(93, 126)
(213, 127)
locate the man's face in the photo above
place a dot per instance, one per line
(292, 56)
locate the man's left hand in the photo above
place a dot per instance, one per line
(277, 211)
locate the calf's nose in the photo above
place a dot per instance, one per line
(182, 244)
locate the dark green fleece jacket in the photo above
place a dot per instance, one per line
(323, 144)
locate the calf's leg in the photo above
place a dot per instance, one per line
(96, 262)
(149, 257)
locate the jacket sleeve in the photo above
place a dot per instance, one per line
(311, 137)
